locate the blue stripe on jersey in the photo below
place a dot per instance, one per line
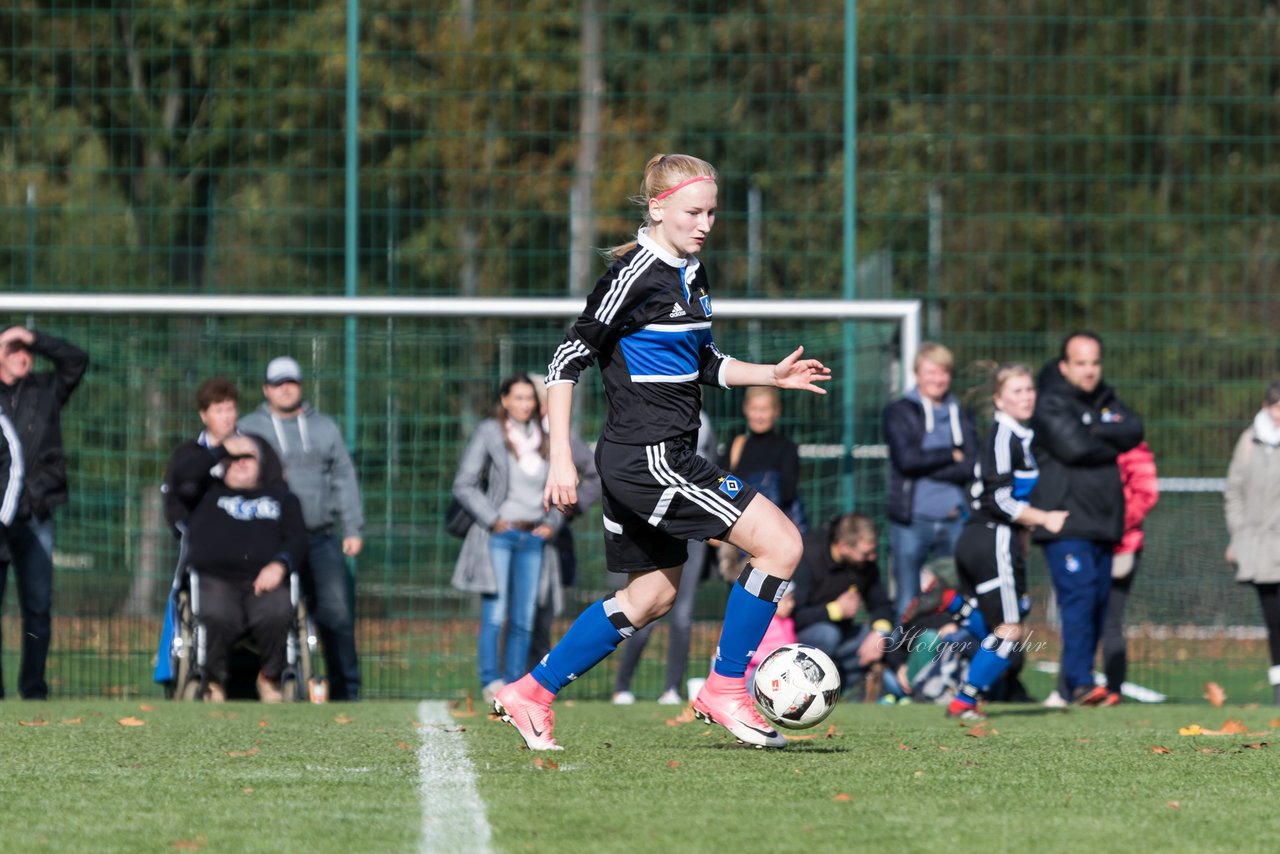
(667, 353)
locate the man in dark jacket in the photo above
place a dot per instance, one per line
(932, 448)
(1081, 426)
(841, 607)
(33, 402)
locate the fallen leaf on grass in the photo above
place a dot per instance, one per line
(467, 709)
(1194, 729)
(73, 721)
(673, 763)
(131, 721)
(1233, 727)
(252, 751)
(403, 745)
(1082, 741)
(34, 722)
(248, 790)
(190, 844)
(263, 724)
(1173, 805)
(546, 764)
(147, 708)
(1257, 745)
(831, 732)
(1159, 748)
(1212, 750)
(904, 746)
(1214, 694)
(343, 719)
(843, 797)
(982, 730)
(685, 717)
(800, 737)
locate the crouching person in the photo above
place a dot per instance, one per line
(245, 538)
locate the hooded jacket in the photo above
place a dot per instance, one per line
(317, 466)
(1078, 436)
(34, 405)
(906, 421)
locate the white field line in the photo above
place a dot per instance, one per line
(453, 815)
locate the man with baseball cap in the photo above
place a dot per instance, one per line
(320, 472)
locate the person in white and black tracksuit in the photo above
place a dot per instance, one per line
(990, 554)
(647, 324)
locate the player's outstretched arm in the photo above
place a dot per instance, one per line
(792, 372)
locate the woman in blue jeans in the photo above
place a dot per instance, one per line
(500, 482)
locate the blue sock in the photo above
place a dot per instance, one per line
(989, 664)
(752, 603)
(596, 633)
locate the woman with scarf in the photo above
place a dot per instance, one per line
(1253, 518)
(500, 483)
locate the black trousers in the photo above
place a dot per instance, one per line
(229, 610)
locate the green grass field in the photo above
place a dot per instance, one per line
(388, 776)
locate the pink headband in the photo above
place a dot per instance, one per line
(681, 186)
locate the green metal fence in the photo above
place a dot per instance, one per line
(1024, 168)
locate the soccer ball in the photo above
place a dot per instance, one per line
(796, 686)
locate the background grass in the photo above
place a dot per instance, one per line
(246, 777)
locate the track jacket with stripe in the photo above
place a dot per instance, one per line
(648, 324)
(1004, 475)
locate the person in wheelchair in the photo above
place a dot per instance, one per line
(244, 537)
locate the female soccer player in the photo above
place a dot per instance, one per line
(990, 551)
(648, 324)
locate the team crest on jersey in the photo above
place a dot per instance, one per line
(705, 299)
(730, 486)
(246, 510)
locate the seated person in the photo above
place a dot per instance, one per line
(841, 605)
(243, 540)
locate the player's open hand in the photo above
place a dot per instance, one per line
(561, 490)
(801, 374)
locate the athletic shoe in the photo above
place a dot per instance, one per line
(1055, 701)
(526, 705)
(725, 701)
(962, 711)
(269, 690)
(490, 692)
(670, 697)
(1086, 696)
(1113, 699)
(623, 698)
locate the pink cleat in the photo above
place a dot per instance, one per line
(526, 705)
(725, 701)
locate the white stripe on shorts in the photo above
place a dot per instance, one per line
(705, 498)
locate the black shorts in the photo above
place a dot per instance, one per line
(658, 497)
(991, 567)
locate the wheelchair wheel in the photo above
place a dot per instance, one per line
(186, 683)
(295, 682)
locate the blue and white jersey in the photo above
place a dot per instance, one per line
(648, 324)
(1005, 473)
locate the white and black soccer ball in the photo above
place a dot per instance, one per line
(796, 686)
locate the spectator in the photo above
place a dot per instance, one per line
(1253, 518)
(319, 471)
(244, 539)
(681, 612)
(1141, 492)
(216, 401)
(1081, 426)
(932, 447)
(841, 605)
(991, 552)
(33, 403)
(767, 460)
(511, 545)
(551, 589)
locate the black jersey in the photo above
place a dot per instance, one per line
(1005, 473)
(648, 324)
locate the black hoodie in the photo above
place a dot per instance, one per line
(1078, 437)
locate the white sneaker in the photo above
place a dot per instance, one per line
(624, 698)
(490, 691)
(670, 697)
(1055, 701)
